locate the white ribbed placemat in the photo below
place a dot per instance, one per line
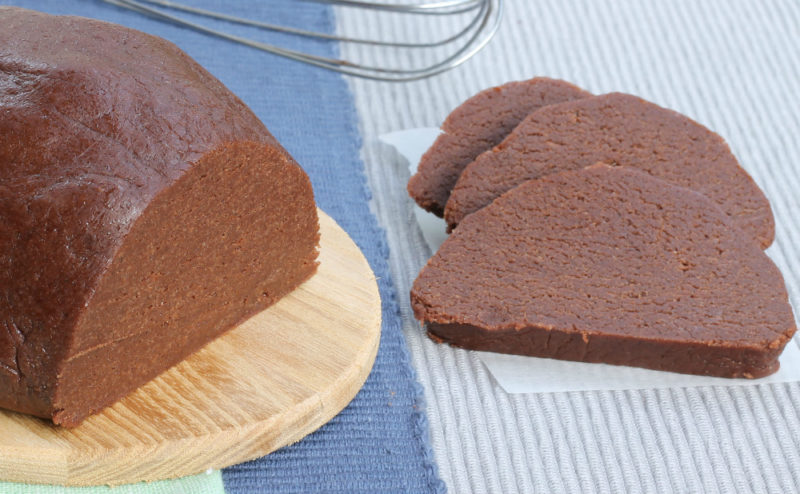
(733, 66)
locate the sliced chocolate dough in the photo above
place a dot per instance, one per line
(478, 124)
(145, 210)
(608, 264)
(616, 129)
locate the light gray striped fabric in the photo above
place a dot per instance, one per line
(732, 65)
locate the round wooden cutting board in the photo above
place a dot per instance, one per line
(266, 384)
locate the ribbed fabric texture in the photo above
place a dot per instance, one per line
(378, 443)
(733, 66)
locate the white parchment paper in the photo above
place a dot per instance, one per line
(517, 374)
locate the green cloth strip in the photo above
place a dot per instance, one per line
(204, 483)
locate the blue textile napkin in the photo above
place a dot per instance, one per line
(379, 442)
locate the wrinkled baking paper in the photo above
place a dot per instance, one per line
(517, 374)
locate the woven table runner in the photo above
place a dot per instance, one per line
(732, 65)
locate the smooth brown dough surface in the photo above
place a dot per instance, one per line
(144, 208)
(478, 124)
(608, 264)
(616, 129)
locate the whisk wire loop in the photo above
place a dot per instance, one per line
(470, 39)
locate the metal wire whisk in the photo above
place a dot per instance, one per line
(480, 28)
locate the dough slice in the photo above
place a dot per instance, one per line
(608, 264)
(478, 124)
(620, 129)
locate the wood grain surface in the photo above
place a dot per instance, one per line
(267, 383)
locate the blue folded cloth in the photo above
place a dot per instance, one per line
(379, 442)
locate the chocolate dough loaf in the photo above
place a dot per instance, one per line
(144, 208)
(478, 124)
(621, 129)
(608, 264)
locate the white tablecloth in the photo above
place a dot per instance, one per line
(733, 66)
